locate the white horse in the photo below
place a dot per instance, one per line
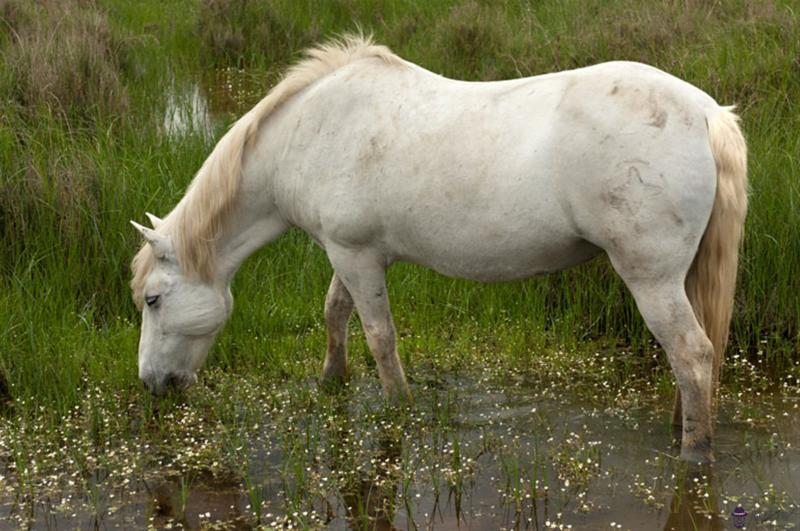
(380, 160)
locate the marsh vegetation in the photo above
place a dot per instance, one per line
(535, 399)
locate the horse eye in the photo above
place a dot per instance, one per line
(151, 299)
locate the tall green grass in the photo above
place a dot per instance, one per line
(82, 149)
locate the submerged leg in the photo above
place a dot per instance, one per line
(691, 356)
(669, 315)
(338, 307)
(363, 275)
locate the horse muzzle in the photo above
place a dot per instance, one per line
(161, 384)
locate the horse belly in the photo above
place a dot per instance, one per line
(495, 264)
(489, 250)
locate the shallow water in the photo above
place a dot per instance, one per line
(194, 106)
(470, 455)
(187, 112)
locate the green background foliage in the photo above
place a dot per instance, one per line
(84, 89)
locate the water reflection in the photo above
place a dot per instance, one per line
(194, 503)
(370, 502)
(192, 106)
(368, 491)
(473, 457)
(695, 504)
(234, 91)
(187, 112)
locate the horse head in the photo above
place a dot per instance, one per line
(181, 315)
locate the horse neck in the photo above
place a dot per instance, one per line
(254, 222)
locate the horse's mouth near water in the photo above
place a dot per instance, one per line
(171, 383)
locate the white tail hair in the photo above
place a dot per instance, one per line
(711, 281)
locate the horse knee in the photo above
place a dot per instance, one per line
(381, 338)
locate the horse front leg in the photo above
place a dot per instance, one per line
(363, 275)
(338, 307)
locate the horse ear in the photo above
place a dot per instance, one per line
(161, 244)
(155, 221)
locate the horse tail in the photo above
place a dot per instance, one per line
(711, 281)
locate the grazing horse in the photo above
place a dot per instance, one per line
(380, 160)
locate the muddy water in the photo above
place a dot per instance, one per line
(473, 456)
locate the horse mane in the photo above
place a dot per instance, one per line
(195, 223)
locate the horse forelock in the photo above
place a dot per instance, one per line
(195, 223)
(141, 266)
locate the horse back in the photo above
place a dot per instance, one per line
(536, 174)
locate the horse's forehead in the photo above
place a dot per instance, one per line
(161, 277)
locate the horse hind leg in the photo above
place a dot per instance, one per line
(338, 307)
(668, 313)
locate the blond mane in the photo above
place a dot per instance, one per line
(196, 221)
